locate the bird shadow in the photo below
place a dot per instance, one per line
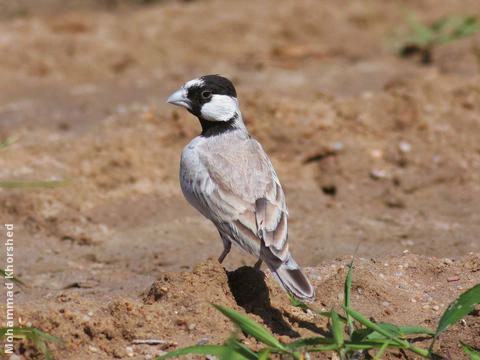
(251, 292)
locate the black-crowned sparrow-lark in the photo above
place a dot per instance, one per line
(226, 175)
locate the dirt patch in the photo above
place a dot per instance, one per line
(176, 309)
(374, 152)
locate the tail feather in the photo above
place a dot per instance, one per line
(289, 275)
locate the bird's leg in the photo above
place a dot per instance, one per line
(227, 245)
(258, 265)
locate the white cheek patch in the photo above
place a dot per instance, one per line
(220, 108)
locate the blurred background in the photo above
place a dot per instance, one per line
(370, 111)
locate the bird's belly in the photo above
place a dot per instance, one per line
(194, 180)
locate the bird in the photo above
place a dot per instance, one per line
(227, 176)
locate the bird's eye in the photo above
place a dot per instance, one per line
(206, 94)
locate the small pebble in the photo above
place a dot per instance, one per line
(129, 351)
(453, 278)
(413, 300)
(436, 307)
(337, 146)
(407, 242)
(426, 307)
(377, 174)
(385, 303)
(202, 341)
(404, 146)
(376, 153)
(86, 318)
(367, 95)
(16, 357)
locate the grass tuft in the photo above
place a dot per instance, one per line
(38, 338)
(423, 38)
(363, 335)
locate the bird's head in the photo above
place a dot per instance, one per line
(211, 98)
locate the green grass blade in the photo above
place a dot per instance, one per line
(7, 142)
(459, 308)
(440, 24)
(309, 342)
(297, 303)
(368, 345)
(304, 306)
(399, 331)
(392, 329)
(251, 327)
(337, 329)
(44, 335)
(264, 354)
(381, 350)
(474, 355)
(30, 333)
(459, 28)
(243, 350)
(347, 297)
(228, 354)
(364, 321)
(14, 279)
(38, 338)
(33, 184)
(423, 35)
(360, 334)
(376, 327)
(354, 346)
(413, 330)
(230, 350)
(376, 344)
(322, 348)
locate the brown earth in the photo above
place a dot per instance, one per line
(374, 152)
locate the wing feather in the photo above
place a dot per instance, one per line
(245, 196)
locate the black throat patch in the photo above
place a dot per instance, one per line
(213, 128)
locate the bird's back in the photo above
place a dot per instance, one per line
(238, 165)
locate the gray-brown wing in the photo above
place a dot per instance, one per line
(243, 190)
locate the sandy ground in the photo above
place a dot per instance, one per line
(374, 152)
